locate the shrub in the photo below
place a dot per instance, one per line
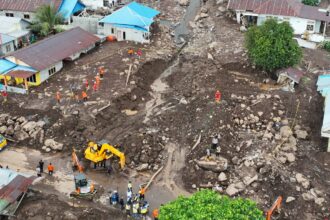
(209, 205)
(271, 46)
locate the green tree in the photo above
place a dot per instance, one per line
(271, 46)
(209, 205)
(46, 20)
(311, 2)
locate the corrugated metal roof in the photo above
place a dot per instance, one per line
(20, 74)
(12, 186)
(52, 50)
(27, 5)
(293, 73)
(132, 15)
(279, 7)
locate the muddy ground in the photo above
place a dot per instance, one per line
(157, 114)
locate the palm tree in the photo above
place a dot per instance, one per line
(46, 20)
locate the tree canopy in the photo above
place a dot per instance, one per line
(311, 2)
(46, 20)
(271, 45)
(209, 205)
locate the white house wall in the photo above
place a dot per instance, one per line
(131, 34)
(4, 50)
(44, 74)
(19, 14)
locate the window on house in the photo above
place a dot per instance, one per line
(9, 14)
(310, 27)
(101, 24)
(52, 70)
(27, 16)
(112, 30)
(32, 78)
(8, 48)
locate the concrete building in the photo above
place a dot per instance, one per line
(17, 28)
(6, 44)
(26, 9)
(301, 17)
(132, 23)
(34, 64)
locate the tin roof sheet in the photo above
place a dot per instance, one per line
(292, 8)
(27, 5)
(52, 50)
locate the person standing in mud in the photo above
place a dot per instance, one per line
(41, 165)
(215, 142)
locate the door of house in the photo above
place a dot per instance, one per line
(124, 35)
(119, 35)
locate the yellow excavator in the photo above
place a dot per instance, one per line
(102, 151)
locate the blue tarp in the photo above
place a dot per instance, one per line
(6, 65)
(133, 15)
(69, 7)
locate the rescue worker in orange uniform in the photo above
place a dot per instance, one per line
(50, 169)
(84, 96)
(130, 52)
(142, 191)
(58, 97)
(155, 214)
(101, 72)
(97, 80)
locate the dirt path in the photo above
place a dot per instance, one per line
(174, 165)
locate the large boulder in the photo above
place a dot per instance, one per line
(142, 167)
(3, 129)
(31, 125)
(52, 144)
(217, 165)
(183, 2)
(235, 188)
(302, 180)
(21, 135)
(285, 132)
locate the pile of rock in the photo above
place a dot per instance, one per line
(20, 129)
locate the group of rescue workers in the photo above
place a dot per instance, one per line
(40, 168)
(136, 206)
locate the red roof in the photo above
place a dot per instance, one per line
(292, 8)
(27, 5)
(52, 50)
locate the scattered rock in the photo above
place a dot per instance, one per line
(235, 188)
(302, 180)
(142, 167)
(285, 132)
(290, 157)
(222, 177)
(52, 144)
(217, 165)
(290, 199)
(184, 2)
(301, 134)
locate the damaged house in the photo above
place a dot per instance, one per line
(303, 18)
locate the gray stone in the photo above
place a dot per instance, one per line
(10, 130)
(21, 135)
(285, 132)
(235, 188)
(302, 180)
(308, 196)
(290, 199)
(319, 201)
(51, 143)
(183, 2)
(217, 165)
(290, 157)
(242, 29)
(142, 167)
(301, 134)
(3, 129)
(248, 180)
(31, 125)
(222, 177)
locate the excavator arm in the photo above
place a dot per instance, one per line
(108, 151)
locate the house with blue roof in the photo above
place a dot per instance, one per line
(132, 23)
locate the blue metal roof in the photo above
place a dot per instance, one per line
(69, 7)
(132, 15)
(6, 65)
(6, 38)
(131, 27)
